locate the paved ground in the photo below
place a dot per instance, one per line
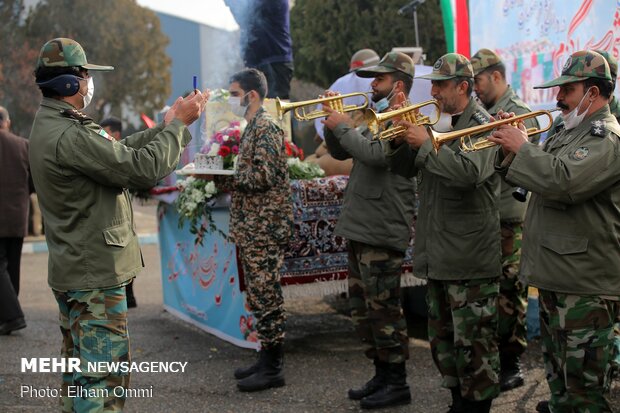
(323, 358)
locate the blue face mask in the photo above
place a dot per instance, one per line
(384, 103)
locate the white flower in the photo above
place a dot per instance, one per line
(210, 189)
(215, 148)
(226, 138)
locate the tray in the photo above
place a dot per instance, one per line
(193, 171)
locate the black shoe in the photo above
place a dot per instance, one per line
(9, 326)
(511, 376)
(457, 401)
(543, 407)
(269, 373)
(243, 372)
(394, 393)
(477, 406)
(374, 384)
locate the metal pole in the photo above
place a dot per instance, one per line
(415, 25)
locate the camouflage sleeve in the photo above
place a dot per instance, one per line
(113, 164)
(257, 172)
(334, 147)
(139, 139)
(570, 178)
(401, 160)
(459, 170)
(369, 152)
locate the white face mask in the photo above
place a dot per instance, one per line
(572, 119)
(236, 107)
(88, 97)
(444, 123)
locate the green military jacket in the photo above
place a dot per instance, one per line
(378, 205)
(511, 210)
(457, 231)
(81, 176)
(558, 122)
(572, 225)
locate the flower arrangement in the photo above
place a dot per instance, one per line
(193, 205)
(225, 143)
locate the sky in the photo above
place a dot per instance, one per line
(210, 12)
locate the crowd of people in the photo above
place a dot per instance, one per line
(477, 247)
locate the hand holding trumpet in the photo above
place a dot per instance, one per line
(334, 118)
(508, 136)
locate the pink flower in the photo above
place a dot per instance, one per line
(235, 149)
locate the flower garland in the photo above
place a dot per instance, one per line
(193, 205)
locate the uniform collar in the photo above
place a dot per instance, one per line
(56, 104)
(502, 102)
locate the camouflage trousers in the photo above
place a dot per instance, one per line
(462, 329)
(261, 271)
(577, 339)
(94, 329)
(512, 301)
(374, 298)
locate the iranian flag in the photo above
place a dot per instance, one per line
(456, 25)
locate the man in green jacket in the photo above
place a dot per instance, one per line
(376, 219)
(82, 176)
(570, 244)
(457, 242)
(496, 95)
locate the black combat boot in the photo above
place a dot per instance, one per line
(269, 372)
(373, 384)
(243, 372)
(393, 393)
(510, 376)
(543, 407)
(477, 406)
(457, 401)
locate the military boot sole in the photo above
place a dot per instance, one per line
(398, 400)
(511, 383)
(273, 383)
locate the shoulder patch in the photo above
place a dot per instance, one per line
(480, 117)
(102, 132)
(77, 115)
(598, 128)
(580, 153)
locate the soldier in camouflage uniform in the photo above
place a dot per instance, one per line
(457, 245)
(570, 243)
(82, 176)
(376, 219)
(496, 95)
(261, 222)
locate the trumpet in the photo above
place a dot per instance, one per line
(335, 102)
(408, 113)
(468, 145)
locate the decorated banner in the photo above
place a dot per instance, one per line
(535, 38)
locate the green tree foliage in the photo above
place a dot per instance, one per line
(18, 93)
(326, 33)
(119, 33)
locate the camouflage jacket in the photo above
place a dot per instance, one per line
(81, 175)
(457, 230)
(570, 235)
(261, 212)
(378, 204)
(511, 210)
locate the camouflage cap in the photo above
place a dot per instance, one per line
(611, 61)
(483, 59)
(63, 52)
(580, 65)
(391, 62)
(363, 58)
(450, 66)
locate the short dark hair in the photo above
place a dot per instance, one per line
(43, 74)
(405, 78)
(605, 87)
(113, 123)
(470, 83)
(498, 67)
(251, 79)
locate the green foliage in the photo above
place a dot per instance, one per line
(326, 33)
(115, 32)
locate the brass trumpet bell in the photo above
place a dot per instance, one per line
(409, 113)
(335, 102)
(465, 135)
